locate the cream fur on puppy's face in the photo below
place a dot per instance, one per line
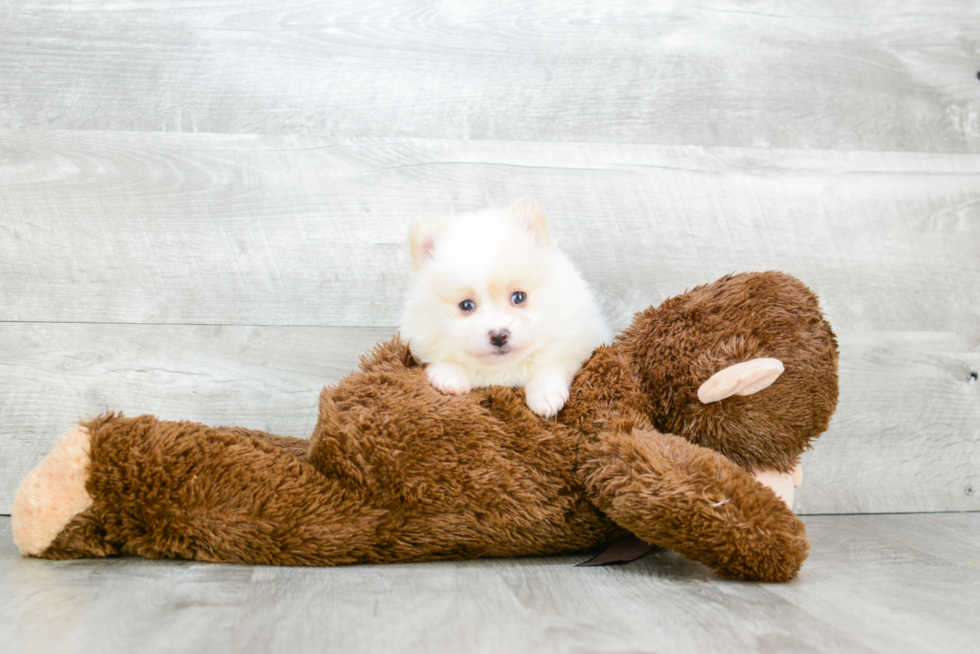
(496, 303)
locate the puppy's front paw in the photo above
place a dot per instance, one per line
(546, 397)
(448, 379)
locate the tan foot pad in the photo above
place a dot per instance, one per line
(783, 484)
(52, 493)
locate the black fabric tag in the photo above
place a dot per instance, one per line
(622, 550)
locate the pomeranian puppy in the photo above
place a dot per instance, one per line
(495, 302)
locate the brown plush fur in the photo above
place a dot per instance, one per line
(395, 471)
(675, 347)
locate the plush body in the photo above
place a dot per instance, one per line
(396, 471)
(495, 303)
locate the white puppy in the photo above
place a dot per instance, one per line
(496, 303)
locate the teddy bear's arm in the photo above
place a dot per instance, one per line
(744, 378)
(670, 492)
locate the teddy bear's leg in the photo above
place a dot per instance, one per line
(166, 489)
(52, 493)
(670, 492)
(159, 489)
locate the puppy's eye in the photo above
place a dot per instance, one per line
(467, 305)
(520, 297)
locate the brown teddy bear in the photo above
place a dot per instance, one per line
(396, 471)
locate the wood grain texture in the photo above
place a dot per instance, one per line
(117, 227)
(876, 76)
(906, 436)
(887, 583)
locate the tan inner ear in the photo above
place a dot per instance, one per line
(422, 240)
(744, 378)
(530, 213)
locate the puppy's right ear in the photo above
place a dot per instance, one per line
(422, 240)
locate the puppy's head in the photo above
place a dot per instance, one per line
(476, 298)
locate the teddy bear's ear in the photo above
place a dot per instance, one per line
(422, 240)
(746, 378)
(528, 214)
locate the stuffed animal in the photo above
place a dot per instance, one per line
(396, 471)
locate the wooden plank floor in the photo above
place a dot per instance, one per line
(881, 583)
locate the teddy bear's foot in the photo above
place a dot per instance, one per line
(783, 484)
(744, 378)
(52, 493)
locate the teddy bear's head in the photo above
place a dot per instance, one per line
(675, 347)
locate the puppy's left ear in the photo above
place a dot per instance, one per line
(528, 214)
(426, 230)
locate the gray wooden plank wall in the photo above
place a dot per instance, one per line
(203, 205)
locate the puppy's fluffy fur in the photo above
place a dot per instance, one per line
(496, 303)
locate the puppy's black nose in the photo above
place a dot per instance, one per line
(499, 339)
